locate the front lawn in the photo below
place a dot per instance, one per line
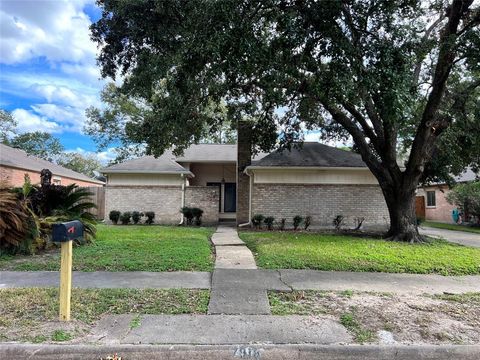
(455, 227)
(288, 250)
(32, 314)
(130, 248)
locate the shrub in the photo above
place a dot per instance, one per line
(188, 214)
(136, 216)
(125, 218)
(338, 222)
(297, 221)
(257, 220)
(114, 215)
(150, 216)
(281, 226)
(307, 223)
(197, 215)
(467, 198)
(269, 220)
(14, 227)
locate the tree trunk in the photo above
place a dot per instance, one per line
(403, 220)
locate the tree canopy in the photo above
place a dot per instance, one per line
(38, 143)
(388, 74)
(84, 164)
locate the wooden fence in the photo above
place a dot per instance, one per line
(98, 198)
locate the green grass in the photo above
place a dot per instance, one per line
(60, 335)
(287, 250)
(456, 227)
(130, 248)
(31, 314)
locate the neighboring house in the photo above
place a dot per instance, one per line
(15, 163)
(315, 180)
(432, 201)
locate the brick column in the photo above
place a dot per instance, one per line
(244, 159)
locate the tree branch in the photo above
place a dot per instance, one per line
(426, 36)
(426, 132)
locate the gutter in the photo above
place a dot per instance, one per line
(182, 204)
(357, 168)
(249, 223)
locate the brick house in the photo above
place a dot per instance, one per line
(315, 180)
(15, 163)
(433, 199)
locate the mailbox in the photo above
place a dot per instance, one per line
(67, 231)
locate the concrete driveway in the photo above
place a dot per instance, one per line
(459, 237)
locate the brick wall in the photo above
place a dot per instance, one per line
(15, 177)
(321, 202)
(165, 201)
(205, 198)
(442, 211)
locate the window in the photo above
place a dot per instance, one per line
(57, 180)
(431, 201)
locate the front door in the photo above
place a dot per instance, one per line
(230, 198)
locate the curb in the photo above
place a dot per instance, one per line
(256, 352)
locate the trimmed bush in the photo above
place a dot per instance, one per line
(269, 220)
(257, 220)
(197, 215)
(188, 214)
(114, 216)
(307, 223)
(150, 216)
(338, 222)
(136, 216)
(297, 221)
(125, 218)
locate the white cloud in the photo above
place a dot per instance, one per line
(313, 136)
(103, 156)
(57, 30)
(29, 121)
(71, 118)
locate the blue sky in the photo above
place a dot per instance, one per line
(48, 71)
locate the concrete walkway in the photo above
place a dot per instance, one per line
(109, 280)
(228, 297)
(250, 279)
(231, 252)
(220, 329)
(458, 237)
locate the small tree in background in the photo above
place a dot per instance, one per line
(467, 198)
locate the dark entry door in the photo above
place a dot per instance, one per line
(230, 199)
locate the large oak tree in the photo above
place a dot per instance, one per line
(387, 74)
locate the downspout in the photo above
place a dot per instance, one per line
(182, 204)
(249, 200)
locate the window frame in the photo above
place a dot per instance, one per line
(429, 204)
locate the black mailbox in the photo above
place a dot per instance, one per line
(67, 231)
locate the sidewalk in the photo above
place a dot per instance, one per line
(242, 279)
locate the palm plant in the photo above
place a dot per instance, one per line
(75, 205)
(14, 215)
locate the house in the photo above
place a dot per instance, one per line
(15, 163)
(315, 180)
(431, 201)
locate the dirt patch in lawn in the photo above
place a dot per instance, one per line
(387, 318)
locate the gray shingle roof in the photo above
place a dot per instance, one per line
(20, 159)
(312, 154)
(148, 164)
